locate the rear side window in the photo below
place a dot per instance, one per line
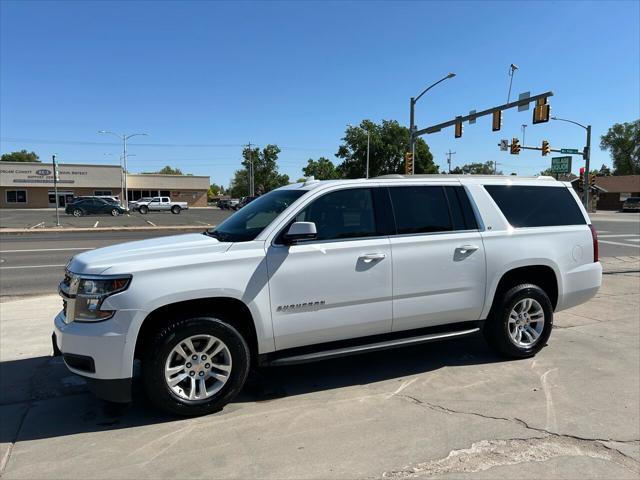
(461, 210)
(528, 206)
(420, 209)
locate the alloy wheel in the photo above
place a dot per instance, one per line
(526, 323)
(198, 367)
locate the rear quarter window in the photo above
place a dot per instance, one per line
(533, 206)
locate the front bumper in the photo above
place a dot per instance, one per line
(98, 352)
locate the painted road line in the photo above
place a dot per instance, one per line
(47, 250)
(36, 225)
(150, 223)
(619, 244)
(35, 266)
(96, 224)
(621, 235)
(202, 223)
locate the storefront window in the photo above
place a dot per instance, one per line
(16, 196)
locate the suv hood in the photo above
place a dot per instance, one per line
(131, 256)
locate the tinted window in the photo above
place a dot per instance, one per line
(526, 206)
(420, 209)
(461, 210)
(342, 214)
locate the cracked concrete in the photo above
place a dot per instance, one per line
(488, 454)
(448, 410)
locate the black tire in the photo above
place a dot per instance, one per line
(115, 212)
(144, 209)
(496, 329)
(175, 209)
(77, 212)
(158, 350)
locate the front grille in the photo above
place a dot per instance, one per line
(64, 307)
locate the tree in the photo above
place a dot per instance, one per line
(486, 168)
(604, 171)
(166, 171)
(215, 191)
(265, 172)
(321, 169)
(623, 142)
(548, 172)
(389, 141)
(21, 156)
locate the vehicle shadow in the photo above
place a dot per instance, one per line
(59, 403)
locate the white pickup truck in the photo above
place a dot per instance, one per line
(319, 270)
(161, 204)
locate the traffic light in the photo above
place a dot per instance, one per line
(592, 179)
(546, 148)
(541, 111)
(496, 123)
(458, 132)
(408, 163)
(515, 146)
(581, 178)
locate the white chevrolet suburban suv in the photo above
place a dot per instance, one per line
(322, 269)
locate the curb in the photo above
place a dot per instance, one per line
(105, 229)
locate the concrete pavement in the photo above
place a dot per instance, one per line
(447, 410)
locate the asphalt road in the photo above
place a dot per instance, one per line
(32, 264)
(46, 217)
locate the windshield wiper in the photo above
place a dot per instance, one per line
(213, 234)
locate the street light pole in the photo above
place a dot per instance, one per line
(524, 126)
(124, 137)
(412, 125)
(586, 154)
(55, 189)
(368, 142)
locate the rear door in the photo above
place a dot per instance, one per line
(439, 269)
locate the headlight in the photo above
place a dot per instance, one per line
(83, 296)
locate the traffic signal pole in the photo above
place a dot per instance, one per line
(587, 158)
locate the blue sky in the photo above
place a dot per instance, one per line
(203, 78)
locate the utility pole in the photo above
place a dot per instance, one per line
(55, 189)
(368, 142)
(587, 159)
(495, 167)
(251, 187)
(512, 70)
(448, 154)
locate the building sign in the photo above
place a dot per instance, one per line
(41, 175)
(561, 164)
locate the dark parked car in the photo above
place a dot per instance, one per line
(631, 203)
(245, 201)
(86, 206)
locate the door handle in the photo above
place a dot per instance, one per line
(373, 257)
(464, 249)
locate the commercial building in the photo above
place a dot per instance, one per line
(30, 185)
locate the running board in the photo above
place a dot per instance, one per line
(371, 347)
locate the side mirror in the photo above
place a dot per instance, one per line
(300, 231)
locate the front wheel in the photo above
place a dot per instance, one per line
(77, 212)
(175, 209)
(195, 366)
(520, 322)
(144, 209)
(115, 212)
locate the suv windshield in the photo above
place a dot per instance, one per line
(246, 224)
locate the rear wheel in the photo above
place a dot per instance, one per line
(195, 366)
(144, 209)
(175, 209)
(115, 212)
(520, 322)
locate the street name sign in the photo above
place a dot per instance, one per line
(569, 150)
(561, 164)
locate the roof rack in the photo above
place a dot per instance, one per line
(464, 175)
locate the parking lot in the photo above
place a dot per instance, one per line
(37, 219)
(447, 410)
